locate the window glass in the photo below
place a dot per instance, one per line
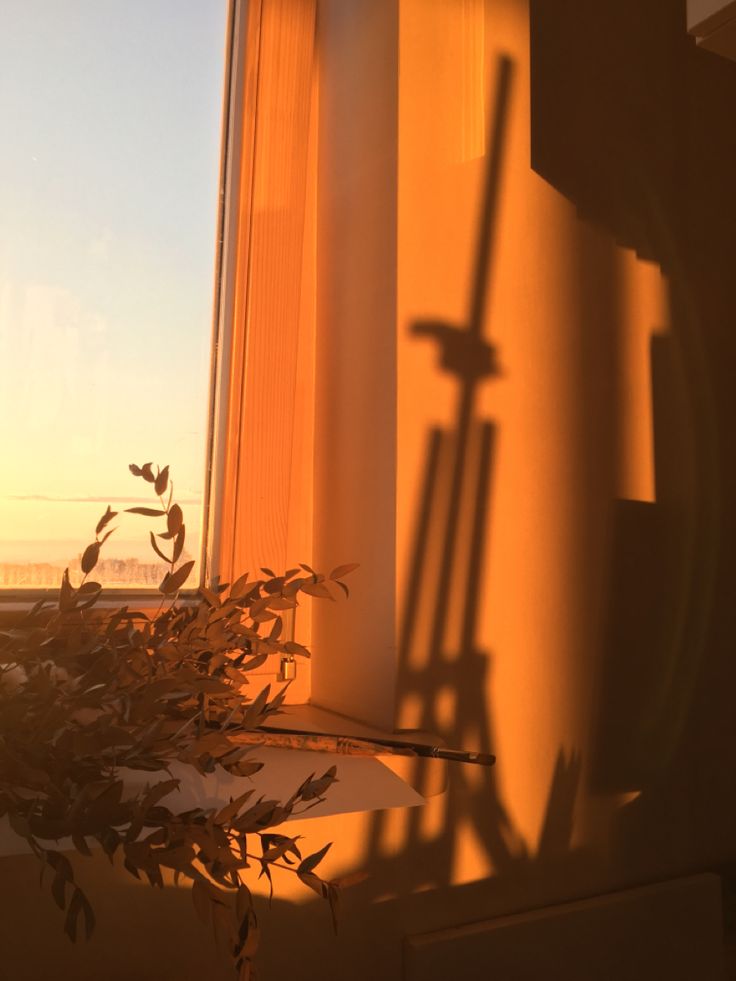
(109, 171)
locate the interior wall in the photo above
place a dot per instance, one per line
(563, 597)
(588, 643)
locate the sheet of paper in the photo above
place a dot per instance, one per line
(363, 784)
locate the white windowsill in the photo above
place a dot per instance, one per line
(364, 783)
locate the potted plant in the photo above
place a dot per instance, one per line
(89, 698)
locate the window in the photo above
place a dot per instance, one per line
(183, 170)
(109, 195)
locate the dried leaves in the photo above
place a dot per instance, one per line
(95, 693)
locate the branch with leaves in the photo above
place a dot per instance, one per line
(87, 696)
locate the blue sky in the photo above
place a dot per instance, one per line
(108, 195)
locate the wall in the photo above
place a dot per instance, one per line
(562, 593)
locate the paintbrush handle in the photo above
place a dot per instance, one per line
(358, 746)
(317, 742)
(455, 755)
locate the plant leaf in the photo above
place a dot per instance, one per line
(317, 589)
(243, 902)
(162, 481)
(174, 519)
(90, 557)
(179, 544)
(173, 581)
(229, 812)
(312, 861)
(238, 587)
(70, 921)
(158, 551)
(105, 519)
(66, 593)
(342, 570)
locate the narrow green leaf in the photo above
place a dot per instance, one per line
(89, 916)
(238, 587)
(243, 902)
(158, 551)
(317, 589)
(333, 897)
(179, 544)
(70, 921)
(66, 593)
(106, 535)
(212, 598)
(80, 843)
(312, 861)
(88, 588)
(162, 481)
(90, 557)
(174, 519)
(314, 882)
(229, 812)
(342, 570)
(105, 519)
(173, 581)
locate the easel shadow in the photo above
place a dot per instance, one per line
(440, 660)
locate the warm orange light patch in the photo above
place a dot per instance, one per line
(445, 706)
(645, 313)
(470, 861)
(432, 821)
(394, 831)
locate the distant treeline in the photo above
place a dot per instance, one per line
(111, 572)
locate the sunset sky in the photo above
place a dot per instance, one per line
(110, 115)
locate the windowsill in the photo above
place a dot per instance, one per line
(20, 600)
(364, 783)
(312, 718)
(14, 603)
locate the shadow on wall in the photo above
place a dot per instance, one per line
(633, 132)
(410, 887)
(628, 123)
